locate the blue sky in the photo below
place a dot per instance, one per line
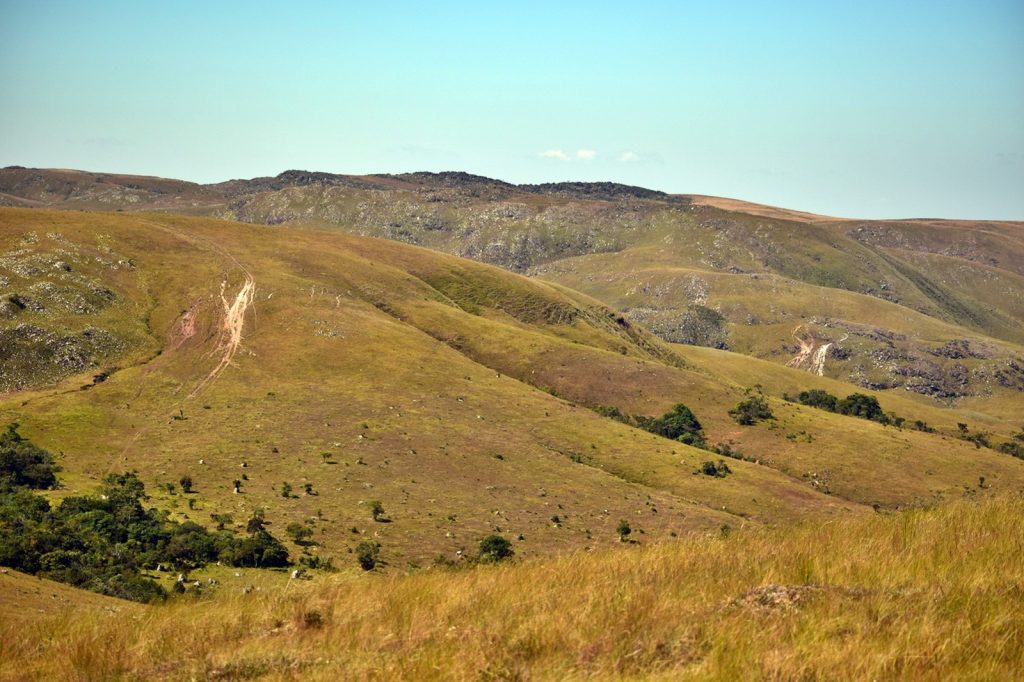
(869, 109)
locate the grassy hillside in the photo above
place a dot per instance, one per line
(933, 307)
(458, 395)
(929, 594)
(315, 376)
(339, 382)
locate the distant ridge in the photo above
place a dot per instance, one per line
(15, 179)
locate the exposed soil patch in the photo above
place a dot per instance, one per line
(768, 598)
(230, 337)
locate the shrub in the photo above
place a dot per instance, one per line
(260, 550)
(727, 450)
(317, 562)
(186, 483)
(752, 409)
(299, 533)
(222, 520)
(367, 554)
(1012, 448)
(857, 405)
(313, 620)
(716, 470)
(611, 413)
(624, 530)
(495, 548)
(286, 489)
(980, 439)
(376, 510)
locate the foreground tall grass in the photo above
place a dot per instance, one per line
(924, 594)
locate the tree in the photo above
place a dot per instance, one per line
(23, 464)
(623, 530)
(863, 406)
(823, 400)
(261, 550)
(494, 548)
(186, 483)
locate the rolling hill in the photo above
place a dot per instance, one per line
(928, 306)
(461, 396)
(486, 368)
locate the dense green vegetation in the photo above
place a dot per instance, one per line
(23, 465)
(819, 398)
(104, 542)
(495, 548)
(679, 424)
(853, 405)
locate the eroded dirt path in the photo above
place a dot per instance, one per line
(230, 335)
(806, 348)
(812, 353)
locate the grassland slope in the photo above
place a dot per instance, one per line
(930, 594)
(341, 383)
(929, 306)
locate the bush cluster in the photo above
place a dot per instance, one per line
(717, 469)
(679, 424)
(104, 542)
(752, 409)
(854, 405)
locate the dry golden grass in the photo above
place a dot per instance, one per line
(923, 594)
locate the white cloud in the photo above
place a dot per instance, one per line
(554, 154)
(586, 154)
(627, 157)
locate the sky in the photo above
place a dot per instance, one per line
(859, 109)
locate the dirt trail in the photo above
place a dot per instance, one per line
(811, 354)
(806, 348)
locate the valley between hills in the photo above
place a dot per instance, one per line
(400, 367)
